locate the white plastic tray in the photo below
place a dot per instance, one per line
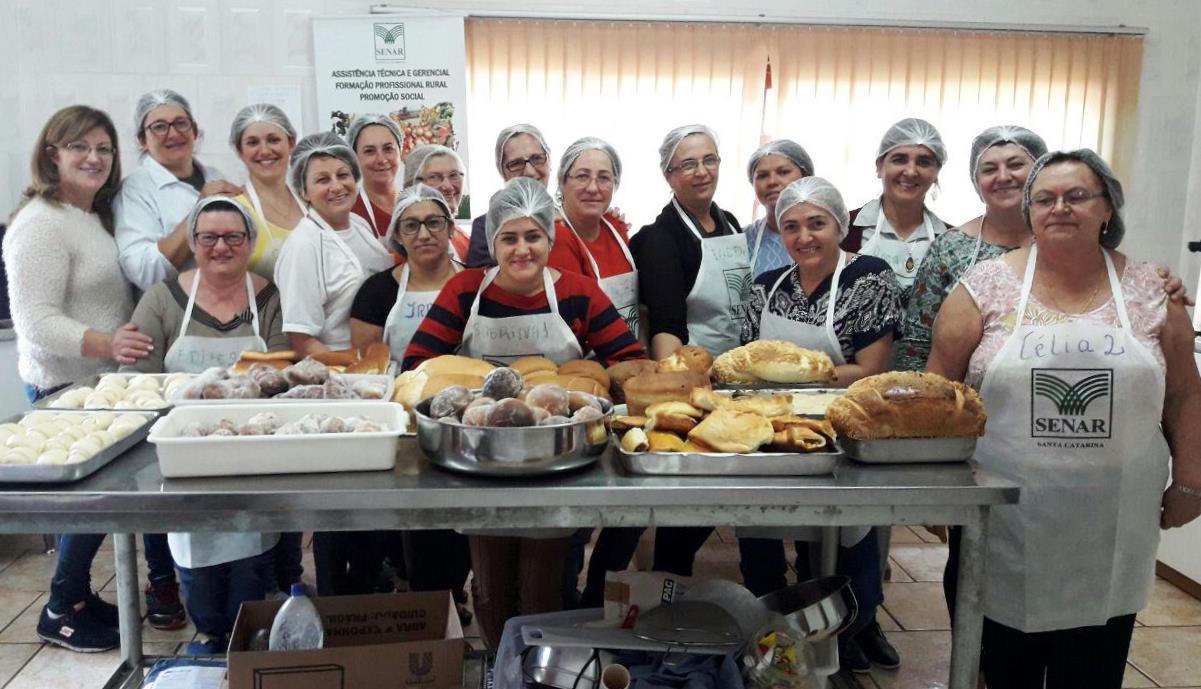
(349, 377)
(180, 457)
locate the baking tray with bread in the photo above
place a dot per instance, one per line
(276, 377)
(150, 392)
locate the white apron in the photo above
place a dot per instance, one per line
(272, 243)
(823, 339)
(721, 285)
(505, 340)
(1073, 418)
(193, 354)
(897, 253)
(339, 297)
(621, 289)
(370, 211)
(406, 315)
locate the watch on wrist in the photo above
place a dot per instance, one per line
(1187, 490)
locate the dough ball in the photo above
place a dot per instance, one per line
(552, 398)
(369, 426)
(223, 432)
(105, 438)
(578, 400)
(271, 381)
(114, 379)
(121, 429)
(303, 392)
(20, 455)
(480, 401)
(244, 388)
(53, 457)
(143, 381)
(216, 390)
(266, 419)
(307, 372)
(539, 414)
(337, 389)
(335, 424)
(194, 389)
(215, 373)
(368, 389)
(510, 412)
(450, 401)
(587, 414)
(195, 429)
(477, 415)
(554, 421)
(503, 383)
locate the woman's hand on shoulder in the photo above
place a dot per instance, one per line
(220, 187)
(128, 345)
(1174, 287)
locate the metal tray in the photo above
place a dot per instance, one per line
(909, 450)
(65, 473)
(774, 387)
(91, 382)
(728, 463)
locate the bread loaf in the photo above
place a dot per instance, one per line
(337, 357)
(907, 404)
(620, 372)
(414, 386)
(373, 359)
(529, 364)
(453, 363)
(773, 361)
(586, 367)
(687, 358)
(647, 389)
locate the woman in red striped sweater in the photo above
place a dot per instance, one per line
(523, 307)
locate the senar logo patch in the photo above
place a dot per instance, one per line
(1071, 403)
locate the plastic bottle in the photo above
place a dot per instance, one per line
(297, 625)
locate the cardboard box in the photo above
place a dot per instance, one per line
(381, 641)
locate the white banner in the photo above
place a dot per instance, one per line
(411, 67)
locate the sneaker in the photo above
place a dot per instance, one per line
(101, 610)
(77, 631)
(206, 647)
(876, 647)
(163, 609)
(851, 657)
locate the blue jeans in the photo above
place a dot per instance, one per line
(72, 580)
(34, 394)
(214, 594)
(281, 566)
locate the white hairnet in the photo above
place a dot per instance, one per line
(912, 131)
(508, 133)
(213, 204)
(786, 148)
(259, 112)
(410, 197)
(1028, 141)
(819, 192)
(415, 162)
(319, 144)
(667, 149)
(1115, 229)
(153, 99)
(363, 121)
(521, 197)
(588, 143)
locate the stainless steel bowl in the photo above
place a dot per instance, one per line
(818, 608)
(521, 451)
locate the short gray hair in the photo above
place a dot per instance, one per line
(220, 204)
(151, 100)
(1114, 230)
(588, 143)
(786, 148)
(667, 149)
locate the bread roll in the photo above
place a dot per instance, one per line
(773, 361)
(635, 440)
(581, 384)
(687, 358)
(619, 373)
(661, 441)
(373, 359)
(243, 365)
(672, 423)
(539, 377)
(414, 386)
(726, 430)
(529, 364)
(455, 364)
(907, 404)
(586, 367)
(649, 388)
(337, 357)
(625, 423)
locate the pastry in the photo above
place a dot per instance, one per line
(510, 413)
(450, 401)
(687, 358)
(310, 371)
(619, 373)
(625, 423)
(477, 416)
(337, 357)
(773, 361)
(647, 389)
(814, 403)
(672, 423)
(662, 441)
(588, 368)
(907, 404)
(552, 398)
(577, 400)
(727, 430)
(635, 440)
(530, 364)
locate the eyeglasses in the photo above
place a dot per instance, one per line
(438, 178)
(79, 148)
(691, 166)
(209, 239)
(583, 179)
(517, 165)
(1073, 199)
(159, 128)
(436, 224)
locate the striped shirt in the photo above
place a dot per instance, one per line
(588, 312)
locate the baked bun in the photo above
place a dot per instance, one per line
(649, 388)
(726, 430)
(414, 386)
(337, 357)
(619, 373)
(373, 359)
(529, 364)
(453, 363)
(670, 422)
(907, 404)
(687, 358)
(277, 360)
(586, 367)
(773, 361)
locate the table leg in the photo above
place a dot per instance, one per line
(828, 561)
(128, 611)
(969, 615)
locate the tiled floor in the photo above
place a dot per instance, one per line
(1166, 651)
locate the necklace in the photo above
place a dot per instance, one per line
(1079, 310)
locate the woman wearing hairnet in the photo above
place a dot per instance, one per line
(207, 317)
(1079, 424)
(520, 308)
(377, 142)
(695, 270)
(151, 235)
(441, 168)
(847, 306)
(331, 251)
(521, 151)
(897, 226)
(772, 168)
(263, 138)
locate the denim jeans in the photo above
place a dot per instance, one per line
(215, 593)
(72, 578)
(281, 566)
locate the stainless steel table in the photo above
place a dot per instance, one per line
(130, 496)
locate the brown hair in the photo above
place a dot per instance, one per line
(71, 124)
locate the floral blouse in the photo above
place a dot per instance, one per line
(948, 258)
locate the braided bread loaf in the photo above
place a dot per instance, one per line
(907, 404)
(773, 361)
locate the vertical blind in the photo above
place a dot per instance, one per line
(833, 89)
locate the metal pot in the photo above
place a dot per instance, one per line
(818, 608)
